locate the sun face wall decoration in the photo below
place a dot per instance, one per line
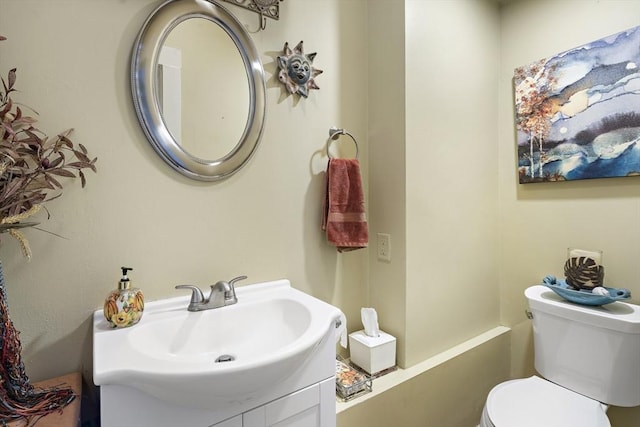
(296, 70)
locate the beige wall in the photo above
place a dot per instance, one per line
(451, 215)
(416, 83)
(387, 162)
(472, 237)
(433, 180)
(72, 58)
(539, 221)
(433, 80)
(443, 396)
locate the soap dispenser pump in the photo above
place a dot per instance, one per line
(124, 306)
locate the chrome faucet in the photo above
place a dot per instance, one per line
(222, 294)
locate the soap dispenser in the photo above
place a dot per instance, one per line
(124, 306)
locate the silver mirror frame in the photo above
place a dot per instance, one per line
(144, 89)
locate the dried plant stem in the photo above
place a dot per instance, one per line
(21, 216)
(24, 243)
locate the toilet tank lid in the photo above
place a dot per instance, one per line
(535, 402)
(618, 316)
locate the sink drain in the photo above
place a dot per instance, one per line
(225, 358)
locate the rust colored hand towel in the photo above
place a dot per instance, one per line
(344, 218)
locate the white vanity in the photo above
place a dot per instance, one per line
(268, 360)
(313, 406)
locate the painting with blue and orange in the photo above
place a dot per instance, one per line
(578, 113)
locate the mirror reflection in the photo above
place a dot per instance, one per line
(203, 90)
(198, 88)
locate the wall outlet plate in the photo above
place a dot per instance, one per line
(384, 247)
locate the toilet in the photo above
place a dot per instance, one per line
(587, 357)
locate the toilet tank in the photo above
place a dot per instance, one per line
(594, 351)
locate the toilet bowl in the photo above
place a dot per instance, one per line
(536, 402)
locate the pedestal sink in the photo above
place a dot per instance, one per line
(217, 358)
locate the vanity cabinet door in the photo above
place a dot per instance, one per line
(231, 422)
(313, 406)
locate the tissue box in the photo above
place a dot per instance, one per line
(373, 354)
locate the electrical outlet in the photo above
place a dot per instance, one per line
(384, 247)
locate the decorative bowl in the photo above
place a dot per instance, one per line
(585, 297)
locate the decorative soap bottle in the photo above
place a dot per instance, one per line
(124, 306)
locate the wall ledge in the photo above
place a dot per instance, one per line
(399, 376)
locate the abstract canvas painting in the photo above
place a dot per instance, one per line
(578, 113)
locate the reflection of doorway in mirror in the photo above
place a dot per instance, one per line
(215, 89)
(170, 89)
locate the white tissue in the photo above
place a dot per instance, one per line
(341, 330)
(370, 321)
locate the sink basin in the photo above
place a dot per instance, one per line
(216, 357)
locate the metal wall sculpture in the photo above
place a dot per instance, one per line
(296, 70)
(266, 9)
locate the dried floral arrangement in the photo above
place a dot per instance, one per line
(31, 165)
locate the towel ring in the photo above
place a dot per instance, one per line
(334, 134)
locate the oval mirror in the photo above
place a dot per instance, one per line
(198, 88)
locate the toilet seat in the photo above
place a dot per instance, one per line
(535, 402)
